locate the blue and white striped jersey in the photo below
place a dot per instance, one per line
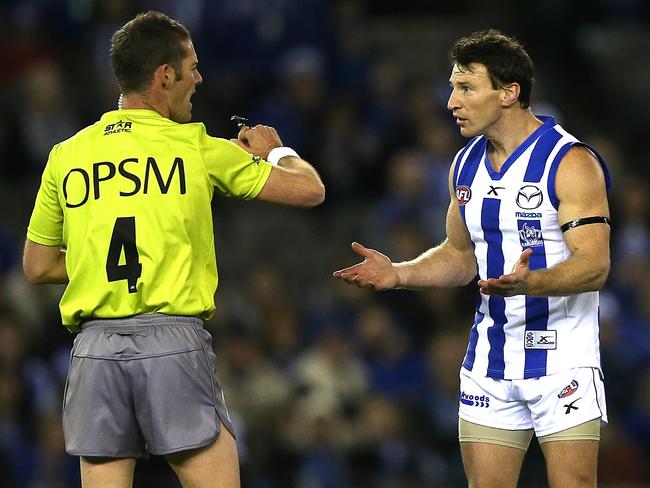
(505, 213)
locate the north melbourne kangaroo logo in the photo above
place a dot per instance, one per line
(530, 236)
(529, 197)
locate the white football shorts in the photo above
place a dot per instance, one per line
(547, 404)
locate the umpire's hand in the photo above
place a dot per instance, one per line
(258, 140)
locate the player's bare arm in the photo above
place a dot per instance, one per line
(44, 264)
(452, 263)
(293, 181)
(376, 271)
(580, 188)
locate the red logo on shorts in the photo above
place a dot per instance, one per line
(463, 194)
(568, 390)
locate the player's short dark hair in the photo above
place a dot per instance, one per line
(142, 45)
(505, 59)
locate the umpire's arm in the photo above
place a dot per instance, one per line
(44, 264)
(293, 182)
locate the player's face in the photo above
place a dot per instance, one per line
(474, 103)
(184, 86)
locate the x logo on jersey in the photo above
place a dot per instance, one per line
(570, 406)
(493, 190)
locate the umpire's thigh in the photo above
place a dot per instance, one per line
(106, 472)
(213, 466)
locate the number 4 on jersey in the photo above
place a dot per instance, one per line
(124, 238)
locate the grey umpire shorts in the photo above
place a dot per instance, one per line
(140, 385)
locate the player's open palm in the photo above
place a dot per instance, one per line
(511, 284)
(375, 271)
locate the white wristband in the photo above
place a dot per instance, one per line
(278, 153)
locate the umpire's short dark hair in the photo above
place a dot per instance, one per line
(505, 59)
(144, 43)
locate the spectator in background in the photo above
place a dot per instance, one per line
(330, 376)
(46, 120)
(404, 205)
(394, 368)
(257, 393)
(298, 102)
(632, 238)
(17, 407)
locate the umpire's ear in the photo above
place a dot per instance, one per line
(163, 76)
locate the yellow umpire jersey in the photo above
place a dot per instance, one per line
(129, 198)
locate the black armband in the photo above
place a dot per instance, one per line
(584, 221)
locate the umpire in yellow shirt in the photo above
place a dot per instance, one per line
(123, 216)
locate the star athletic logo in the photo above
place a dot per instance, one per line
(117, 127)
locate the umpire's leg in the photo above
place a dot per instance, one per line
(107, 472)
(213, 466)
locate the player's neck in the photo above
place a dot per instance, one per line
(143, 101)
(509, 133)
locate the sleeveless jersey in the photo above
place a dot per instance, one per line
(505, 213)
(129, 198)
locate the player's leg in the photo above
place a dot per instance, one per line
(107, 472)
(213, 466)
(492, 457)
(490, 465)
(494, 430)
(567, 422)
(572, 456)
(571, 464)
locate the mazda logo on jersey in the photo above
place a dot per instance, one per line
(463, 194)
(529, 197)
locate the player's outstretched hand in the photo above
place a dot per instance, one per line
(375, 271)
(512, 284)
(258, 140)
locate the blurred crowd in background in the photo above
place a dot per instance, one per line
(329, 386)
